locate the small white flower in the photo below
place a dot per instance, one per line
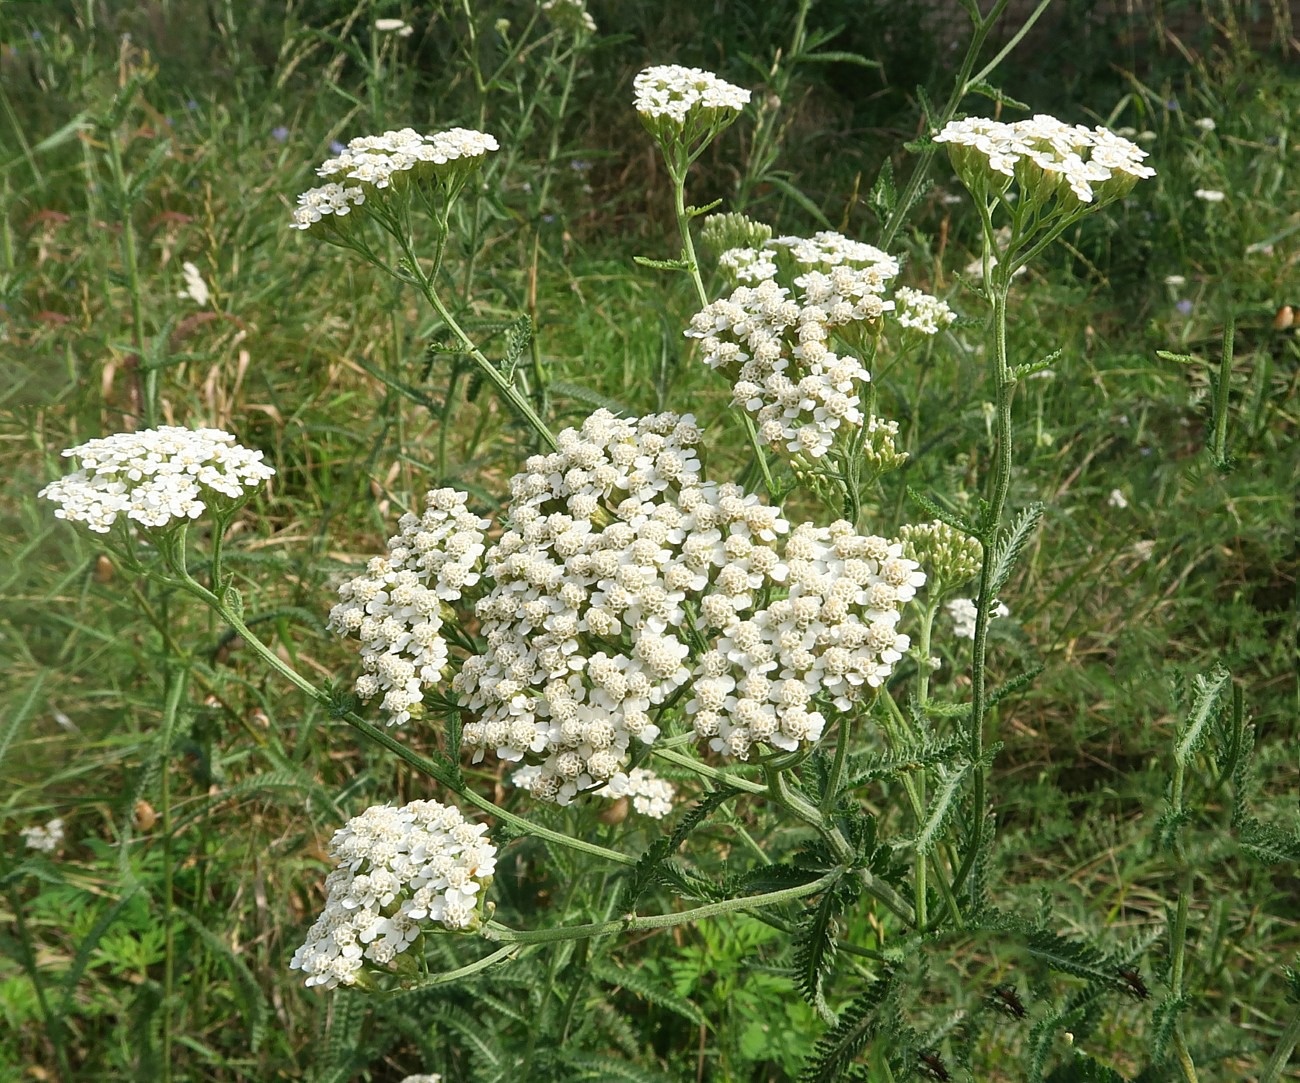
(1117, 499)
(1206, 124)
(394, 26)
(45, 838)
(570, 15)
(1175, 280)
(651, 795)
(1210, 195)
(428, 1077)
(195, 288)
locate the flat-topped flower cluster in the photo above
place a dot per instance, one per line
(674, 93)
(1045, 156)
(396, 868)
(371, 163)
(776, 341)
(625, 583)
(155, 477)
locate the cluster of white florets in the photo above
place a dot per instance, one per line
(372, 163)
(775, 343)
(650, 795)
(1045, 157)
(329, 199)
(919, 311)
(964, 613)
(44, 838)
(396, 608)
(584, 615)
(571, 15)
(397, 868)
(621, 576)
(155, 477)
(832, 636)
(677, 95)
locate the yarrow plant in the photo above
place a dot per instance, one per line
(44, 838)
(627, 611)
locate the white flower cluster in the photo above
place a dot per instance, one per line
(1042, 154)
(964, 612)
(329, 199)
(570, 15)
(397, 867)
(155, 477)
(673, 93)
(395, 609)
(774, 343)
(834, 634)
(374, 162)
(921, 312)
(650, 795)
(621, 577)
(427, 1077)
(46, 838)
(584, 618)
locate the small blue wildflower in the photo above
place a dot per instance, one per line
(280, 133)
(1172, 105)
(1184, 306)
(336, 148)
(36, 35)
(191, 105)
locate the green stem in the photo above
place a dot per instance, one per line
(961, 88)
(177, 679)
(149, 396)
(53, 1024)
(631, 923)
(723, 778)
(1004, 389)
(843, 735)
(507, 390)
(678, 172)
(1222, 387)
(1282, 1051)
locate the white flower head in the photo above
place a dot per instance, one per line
(156, 477)
(396, 607)
(650, 795)
(44, 838)
(371, 164)
(195, 288)
(920, 312)
(394, 26)
(964, 613)
(399, 871)
(1045, 158)
(570, 15)
(1206, 124)
(686, 106)
(1117, 499)
(1210, 195)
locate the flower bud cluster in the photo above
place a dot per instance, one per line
(156, 477)
(371, 163)
(879, 451)
(1045, 157)
(950, 557)
(396, 608)
(833, 635)
(396, 868)
(775, 343)
(722, 232)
